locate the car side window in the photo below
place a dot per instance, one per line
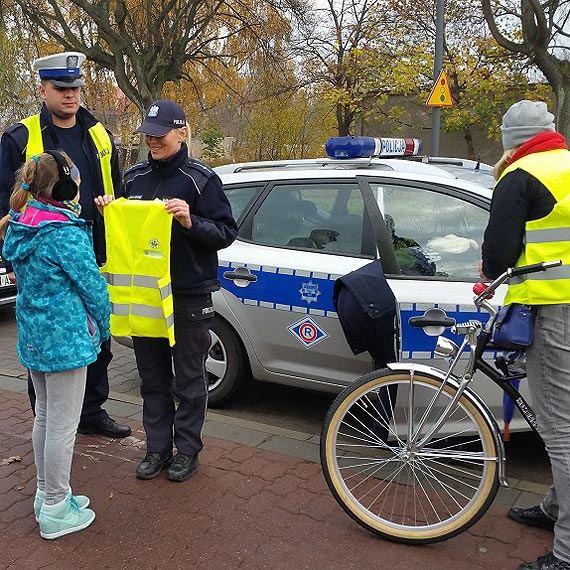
(240, 197)
(434, 234)
(323, 216)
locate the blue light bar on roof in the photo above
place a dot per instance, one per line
(362, 147)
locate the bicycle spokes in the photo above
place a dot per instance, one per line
(390, 482)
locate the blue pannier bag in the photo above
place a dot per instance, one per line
(512, 329)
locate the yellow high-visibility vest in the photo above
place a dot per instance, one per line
(137, 270)
(99, 136)
(548, 238)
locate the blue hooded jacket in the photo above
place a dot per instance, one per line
(62, 308)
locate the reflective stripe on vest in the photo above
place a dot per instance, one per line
(548, 238)
(141, 311)
(138, 268)
(99, 136)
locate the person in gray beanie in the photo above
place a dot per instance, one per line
(523, 121)
(529, 222)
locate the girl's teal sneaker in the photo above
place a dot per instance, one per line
(63, 518)
(80, 500)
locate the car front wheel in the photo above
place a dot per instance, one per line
(226, 364)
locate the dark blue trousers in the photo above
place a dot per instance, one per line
(165, 423)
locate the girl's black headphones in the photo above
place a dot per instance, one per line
(65, 188)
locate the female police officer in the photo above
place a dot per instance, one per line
(202, 225)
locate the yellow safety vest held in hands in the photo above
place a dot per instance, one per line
(137, 271)
(548, 238)
(99, 136)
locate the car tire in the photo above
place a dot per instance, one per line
(227, 365)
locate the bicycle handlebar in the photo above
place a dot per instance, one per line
(514, 272)
(542, 266)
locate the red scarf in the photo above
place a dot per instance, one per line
(540, 143)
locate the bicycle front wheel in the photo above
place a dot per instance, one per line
(392, 482)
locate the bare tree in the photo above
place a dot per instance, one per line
(539, 31)
(146, 43)
(330, 44)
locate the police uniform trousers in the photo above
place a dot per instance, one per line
(96, 388)
(164, 423)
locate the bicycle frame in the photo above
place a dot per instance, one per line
(476, 336)
(504, 382)
(494, 373)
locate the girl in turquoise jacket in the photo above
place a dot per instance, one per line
(62, 313)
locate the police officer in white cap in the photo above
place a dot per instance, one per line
(63, 123)
(61, 69)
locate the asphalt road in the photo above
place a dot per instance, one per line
(305, 411)
(279, 406)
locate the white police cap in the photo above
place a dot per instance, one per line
(61, 69)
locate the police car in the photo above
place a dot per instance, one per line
(470, 170)
(304, 223)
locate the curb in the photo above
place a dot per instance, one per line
(271, 438)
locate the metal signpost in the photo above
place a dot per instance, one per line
(436, 110)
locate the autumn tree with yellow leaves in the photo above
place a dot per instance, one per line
(282, 75)
(484, 79)
(147, 44)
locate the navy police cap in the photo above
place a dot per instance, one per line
(162, 116)
(61, 69)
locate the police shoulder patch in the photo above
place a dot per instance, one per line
(137, 166)
(200, 166)
(15, 127)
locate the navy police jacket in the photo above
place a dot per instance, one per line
(372, 292)
(13, 155)
(193, 255)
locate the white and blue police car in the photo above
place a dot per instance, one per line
(8, 289)
(303, 223)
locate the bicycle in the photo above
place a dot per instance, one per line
(411, 452)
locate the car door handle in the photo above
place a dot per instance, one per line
(241, 273)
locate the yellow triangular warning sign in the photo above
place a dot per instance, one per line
(440, 95)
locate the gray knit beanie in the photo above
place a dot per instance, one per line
(523, 121)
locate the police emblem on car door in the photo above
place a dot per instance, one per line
(297, 241)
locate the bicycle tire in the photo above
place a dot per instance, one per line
(446, 487)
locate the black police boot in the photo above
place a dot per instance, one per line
(153, 463)
(182, 467)
(107, 427)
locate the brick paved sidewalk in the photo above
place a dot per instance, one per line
(245, 508)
